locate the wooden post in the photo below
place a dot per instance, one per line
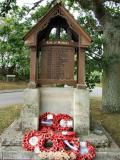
(69, 34)
(33, 61)
(81, 67)
(58, 33)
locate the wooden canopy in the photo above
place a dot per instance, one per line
(31, 37)
(53, 62)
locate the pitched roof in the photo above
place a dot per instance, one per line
(74, 24)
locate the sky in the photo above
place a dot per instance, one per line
(28, 2)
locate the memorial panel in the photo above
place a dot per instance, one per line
(57, 62)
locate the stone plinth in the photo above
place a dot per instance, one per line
(30, 113)
(57, 100)
(72, 101)
(10, 145)
(81, 111)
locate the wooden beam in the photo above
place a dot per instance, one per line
(33, 60)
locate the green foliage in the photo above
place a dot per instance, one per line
(63, 35)
(6, 6)
(40, 12)
(13, 53)
(112, 9)
(95, 51)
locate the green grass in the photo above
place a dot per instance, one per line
(110, 121)
(8, 115)
(12, 85)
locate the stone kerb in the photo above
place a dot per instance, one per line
(30, 113)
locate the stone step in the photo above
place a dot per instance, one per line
(15, 153)
(12, 136)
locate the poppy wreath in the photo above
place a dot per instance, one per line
(26, 140)
(56, 135)
(73, 145)
(45, 129)
(44, 118)
(88, 156)
(64, 117)
(68, 133)
(50, 139)
(60, 138)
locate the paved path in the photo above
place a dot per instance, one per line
(97, 92)
(11, 98)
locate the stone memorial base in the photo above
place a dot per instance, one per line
(57, 100)
(72, 101)
(17, 153)
(10, 145)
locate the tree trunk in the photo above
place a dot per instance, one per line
(111, 73)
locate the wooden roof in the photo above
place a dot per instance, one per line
(58, 9)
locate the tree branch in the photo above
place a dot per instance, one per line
(36, 4)
(99, 10)
(96, 6)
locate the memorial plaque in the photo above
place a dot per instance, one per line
(57, 62)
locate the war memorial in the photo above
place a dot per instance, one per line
(57, 96)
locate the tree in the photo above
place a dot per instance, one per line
(108, 15)
(13, 53)
(94, 52)
(5, 6)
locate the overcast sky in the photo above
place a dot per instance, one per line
(28, 2)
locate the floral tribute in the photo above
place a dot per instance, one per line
(56, 139)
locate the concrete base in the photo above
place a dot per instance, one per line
(72, 101)
(66, 100)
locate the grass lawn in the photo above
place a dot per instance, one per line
(12, 85)
(110, 121)
(8, 115)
